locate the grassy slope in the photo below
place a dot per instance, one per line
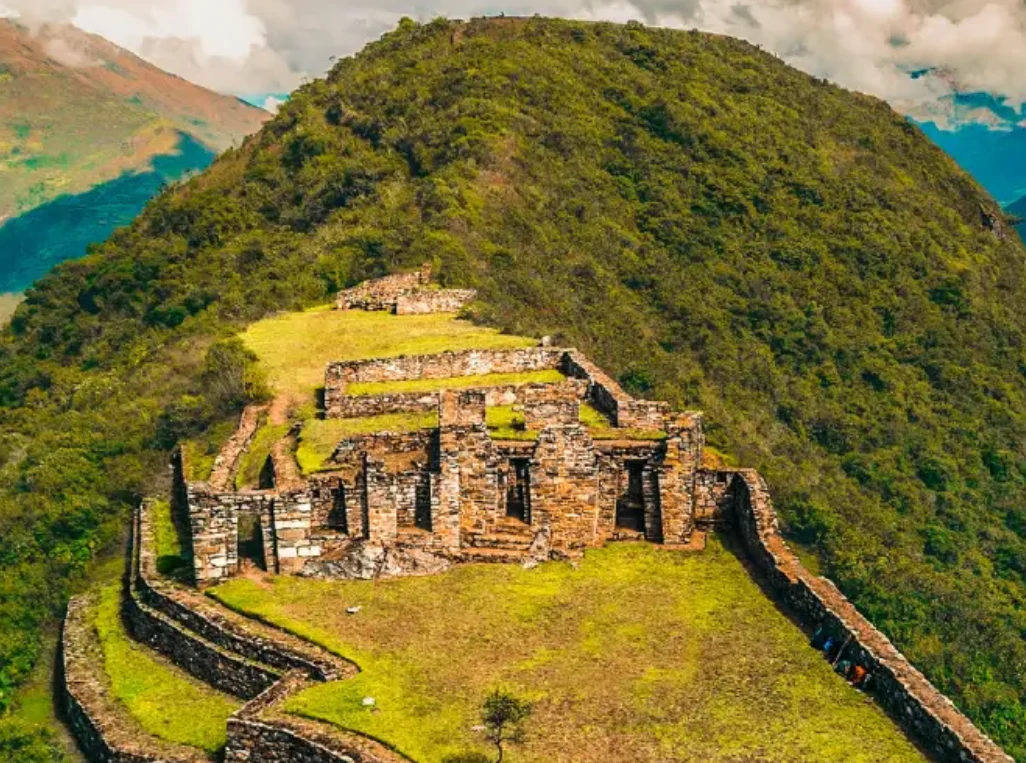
(165, 702)
(638, 655)
(710, 225)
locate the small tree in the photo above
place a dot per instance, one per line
(504, 716)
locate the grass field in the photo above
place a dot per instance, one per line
(294, 348)
(201, 451)
(163, 700)
(639, 654)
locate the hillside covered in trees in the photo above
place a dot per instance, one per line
(722, 231)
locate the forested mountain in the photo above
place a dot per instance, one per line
(97, 128)
(721, 230)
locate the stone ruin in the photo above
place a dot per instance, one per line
(405, 294)
(418, 501)
(414, 502)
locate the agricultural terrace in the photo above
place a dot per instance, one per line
(637, 653)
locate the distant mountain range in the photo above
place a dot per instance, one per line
(88, 134)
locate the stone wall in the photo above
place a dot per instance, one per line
(214, 525)
(232, 633)
(546, 404)
(360, 406)
(444, 365)
(103, 728)
(423, 301)
(382, 293)
(405, 294)
(606, 395)
(903, 691)
(226, 465)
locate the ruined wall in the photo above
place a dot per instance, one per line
(214, 524)
(216, 625)
(902, 690)
(546, 404)
(359, 406)
(606, 395)
(424, 301)
(676, 467)
(382, 293)
(564, 485)
(443, 365)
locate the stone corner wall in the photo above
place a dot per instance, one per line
(925, 713)
(426, 301)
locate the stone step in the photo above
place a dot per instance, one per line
(501, 540)
(493, 555)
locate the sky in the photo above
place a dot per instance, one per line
(261, 47)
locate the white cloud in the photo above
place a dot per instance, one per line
(272, 104)
(869, 45)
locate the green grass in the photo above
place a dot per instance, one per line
(319, 437)
(163, 700)
(172, 558)
(201, 451)
(506, 423)
(639, 654)
(256, 455)
(294, 348)
(362, 389)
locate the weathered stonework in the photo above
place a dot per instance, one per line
(903, 691)
(405, 294)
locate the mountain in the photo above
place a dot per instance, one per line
(88, 125)
(720, 230)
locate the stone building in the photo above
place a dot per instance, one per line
(458, 491)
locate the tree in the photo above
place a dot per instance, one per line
(504, 716)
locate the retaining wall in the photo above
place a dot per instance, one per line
(105, 732)
(903, 691)
(444, 365)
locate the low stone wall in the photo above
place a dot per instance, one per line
(382, 293)
(101, 725)
(606, 395)
(226, 465)
(903, 691)
(261, 732)
(444, 365)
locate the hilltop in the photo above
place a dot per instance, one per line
(79, 114)
(719, 230)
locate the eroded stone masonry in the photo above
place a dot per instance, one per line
(416, 502)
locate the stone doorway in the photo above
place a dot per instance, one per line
(630, 506)
(518, 491)
(338, 518)
(251, 542)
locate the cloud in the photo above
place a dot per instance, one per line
(246, 46)
(272, 104)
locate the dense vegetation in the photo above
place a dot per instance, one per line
(714, 227)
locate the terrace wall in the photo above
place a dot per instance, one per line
(445, 365)
(903, 691)
(102, 727)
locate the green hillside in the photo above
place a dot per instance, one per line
(716, 228)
